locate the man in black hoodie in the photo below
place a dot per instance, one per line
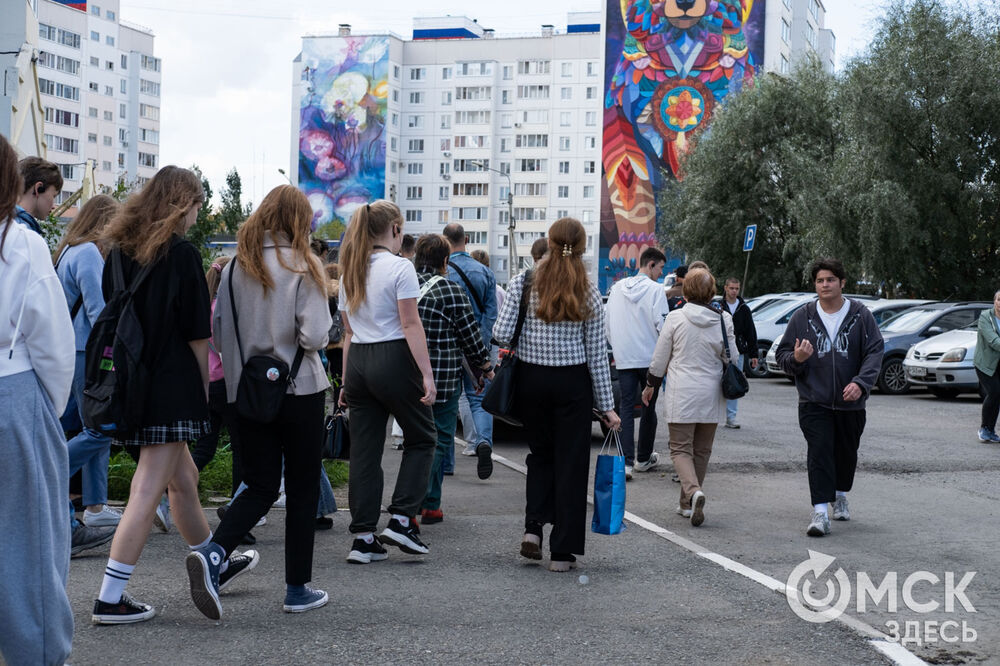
(833, 349)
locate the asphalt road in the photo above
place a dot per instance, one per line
(925, 499)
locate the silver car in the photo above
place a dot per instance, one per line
(943, 363)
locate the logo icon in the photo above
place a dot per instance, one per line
(273, 374)
(810, 573)
(216, 560)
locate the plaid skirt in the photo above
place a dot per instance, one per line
(178, 431)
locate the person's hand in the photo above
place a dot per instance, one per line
(647, 395)
(430, 391)
(611, 419)
(803, 350)
(754, 362)
(852, 392)
(488, 376)
(342, 398)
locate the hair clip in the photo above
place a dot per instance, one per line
(567, 250)
(217, 267)
(368, 208)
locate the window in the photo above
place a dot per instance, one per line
(414, 216)
(418, 73)
(110, 14)
(392, 166)
(531, 189)
(109, 40)
(567, 69)
(109, 65)
(536, 116)
(956, 319)
(95, 10)
(149, 112)
(122, 87)
(588, 191)
(394, 119)
(508, 72)
(414, 192)
(395, 71)
(811, 35)
(528, 214)
(506, 120)
(504, 193)
(591, 119)
(474, 92)
(445, 122)
(149, 63)
(148, 136)
(415, 168)
(147, 160)
(121, 160)
(590, 142)
(392, 144)
(151, 88)
(415, 121)
(470, 213)
(561, 213)
(566, 93)
(591, 69)
(564, 143)
(47, 32)
(443, 215)
(504, 145)
(463, 166)
(395, 95)
(445, 145)
(533, 66)
(445, 98)
(477, 237)
(95, 36)
(505, 96)
(95, 61)
(61, 63)
(62, 144)
(122, 109)
(109, 91)
(443, 193)
(475, 69)
(502, 241)
(91, 138)
(59, 90)
(814, 9)
(415, 146)
(564, 118)
(124, 61)
(106, 165)
(470, 189)
(505, 167)
(589, 166)
(784, 65)
(532, 92)
(445, 73)
(445, 168)
(472, 117)
(564, 167)
(108, 115)
(532, 141)
(591, 92)
(65, 37)
(107, 140)
(60, 117)
(786, 31)
(92, 111)
(472, 141)
(416, 98)
(67, 171)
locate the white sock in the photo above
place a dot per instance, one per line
(403, 520)
(116, 577)
(203, 543)
(224, 566)
(820, 508)
(367, 537)
(841, 493)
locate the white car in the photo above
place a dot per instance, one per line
(943, 363)
(770, 322)
(772, 358)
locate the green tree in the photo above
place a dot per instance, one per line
(206, 226)
(232, 211)
(332, 230)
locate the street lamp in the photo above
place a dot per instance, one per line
(282, 172)
(511, 223)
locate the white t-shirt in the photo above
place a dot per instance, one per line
(833, 321)
(732, 306)
(390, 279)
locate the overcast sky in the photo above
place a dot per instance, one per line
(227, 65)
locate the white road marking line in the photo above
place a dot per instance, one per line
(877, 639)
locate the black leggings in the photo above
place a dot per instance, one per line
(991, 402)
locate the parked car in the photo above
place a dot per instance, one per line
(914, 325)
(772, 357)
(887, 308)
(944, 363)
(770, 322)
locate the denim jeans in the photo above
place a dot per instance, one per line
(89, 450)
(731, 404)
(327, 502)
(632, 381)
(482, 418)
(445, 419)
(468, 423)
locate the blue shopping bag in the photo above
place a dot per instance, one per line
(609, 488)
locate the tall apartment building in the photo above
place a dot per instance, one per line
(793, 30)
(100, 86)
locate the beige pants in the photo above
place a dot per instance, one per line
(690, 449)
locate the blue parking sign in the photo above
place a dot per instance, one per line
(750, 237)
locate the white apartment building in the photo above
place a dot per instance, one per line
(100, 86)
(794, 29)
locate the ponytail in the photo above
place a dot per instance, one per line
(367, 223)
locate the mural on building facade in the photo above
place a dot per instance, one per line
(342, 124)
(667, 66)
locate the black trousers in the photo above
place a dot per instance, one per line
(991, 403)
(555, 405)
(833, 437)
(220, 413)
(297, 434)
(383, 379)
(632, 381)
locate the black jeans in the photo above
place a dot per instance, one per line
(833, 437)
(991, 402)
(220, 413)
(383, 379)
(297, 434)
(555, 405)
(632, 382)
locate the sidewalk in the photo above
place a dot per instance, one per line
(472, 600)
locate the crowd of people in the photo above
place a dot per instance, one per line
(417, 324)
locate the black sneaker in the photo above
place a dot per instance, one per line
(407, 539)
(85, 538)
(239, 563)
(126, 611)
(203, 574)
(485, 454)
(363, 552)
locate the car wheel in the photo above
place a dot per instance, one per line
(892, 379)
(761, 370)
(944, 393)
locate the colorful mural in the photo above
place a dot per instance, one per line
(667, 66)
(342, 124)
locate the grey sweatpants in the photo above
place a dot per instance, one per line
(36, 622)
(383, 379)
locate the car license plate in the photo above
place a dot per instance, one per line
(917, 371)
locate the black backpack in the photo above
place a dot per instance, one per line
(116, 382)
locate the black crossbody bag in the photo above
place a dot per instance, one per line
(265, 379)
(734, 382)
(498, 399)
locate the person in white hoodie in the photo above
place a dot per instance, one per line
(36, 371)
(633, 318)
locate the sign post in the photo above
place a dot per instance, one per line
(749, 236)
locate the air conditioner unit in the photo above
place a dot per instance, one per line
(445, 176)
(517, 124)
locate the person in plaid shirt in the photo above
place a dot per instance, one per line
(452, 332)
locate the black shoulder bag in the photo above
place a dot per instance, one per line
(498, 399)
(265, 379)
(734, 382)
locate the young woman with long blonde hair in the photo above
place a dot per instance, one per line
(277, 288)
(562, 375)
(387, 370)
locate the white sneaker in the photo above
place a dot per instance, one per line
(820, 524)
(628, 472)
(732, 424)
(840, 508)
(261, 522)
(654, 460)
(697, 508)
(686, 513)
(162, 516)
(469, 450)
(106, 517)
(280, 502)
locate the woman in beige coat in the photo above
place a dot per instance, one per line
(690, 352)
